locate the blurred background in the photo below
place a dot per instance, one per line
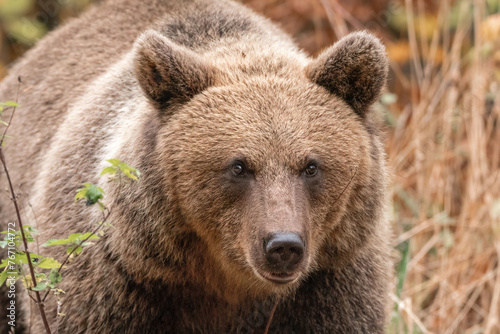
(442, 114)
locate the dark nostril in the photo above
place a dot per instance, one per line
(284, 249)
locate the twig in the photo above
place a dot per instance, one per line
(12, 114)
(84, 240)
(271, 316)
(493, 317)
(404, 306)
(36, 222)
(75, 248)
(412, 37)
(18, 213)
(33, 299)
(338, 25)
(347, 186)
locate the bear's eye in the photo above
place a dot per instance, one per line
(238, 168)
(311, 169)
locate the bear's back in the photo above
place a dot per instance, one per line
(57, 70)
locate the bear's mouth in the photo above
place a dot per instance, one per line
(279, 277)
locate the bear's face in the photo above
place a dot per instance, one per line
(267, 168)
(261, 169)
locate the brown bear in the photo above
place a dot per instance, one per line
(263, 172)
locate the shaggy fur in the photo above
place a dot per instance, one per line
(183, 92)
(354, 69)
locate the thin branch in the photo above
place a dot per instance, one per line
(36, 222)
(84, 240)
(75, 248)
(12, 114)
(271, 316)
(412, 37)
(32, 298)
(18, 213)
(336, 21)
(347, 186)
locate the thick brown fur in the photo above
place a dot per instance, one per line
(181, 91)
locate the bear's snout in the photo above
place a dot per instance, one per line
(283, 257)
(284, 250)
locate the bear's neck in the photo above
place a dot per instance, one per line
(174, 306)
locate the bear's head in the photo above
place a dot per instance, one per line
(277, 172)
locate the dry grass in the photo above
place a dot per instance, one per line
(444, 152)
(443, 147)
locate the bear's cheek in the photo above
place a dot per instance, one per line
(211, 206)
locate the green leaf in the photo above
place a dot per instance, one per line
(40, 277)
(28, 228)
(129, 171)
(80, 193)
(4, 263)
(90, 192)
(78, 237)
(10, 8)
(19, 258)
(39, 287)
(108, 170)
(76, 251)
(88, 236)
(116, 165)
(129, 174)
(9, 104)
(16, 236)
(74, 239)
(49, 263)
(53, 242)
(94, 193)
(55, 278)
(27, 30)
(3, 277)
(114, 162)
(6, 274)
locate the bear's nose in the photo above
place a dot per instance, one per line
(284, 250)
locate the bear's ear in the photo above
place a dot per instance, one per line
(168, 72)
(355, 69)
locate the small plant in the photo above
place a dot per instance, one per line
(37, 272)
(45, 273)
(118, 169)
